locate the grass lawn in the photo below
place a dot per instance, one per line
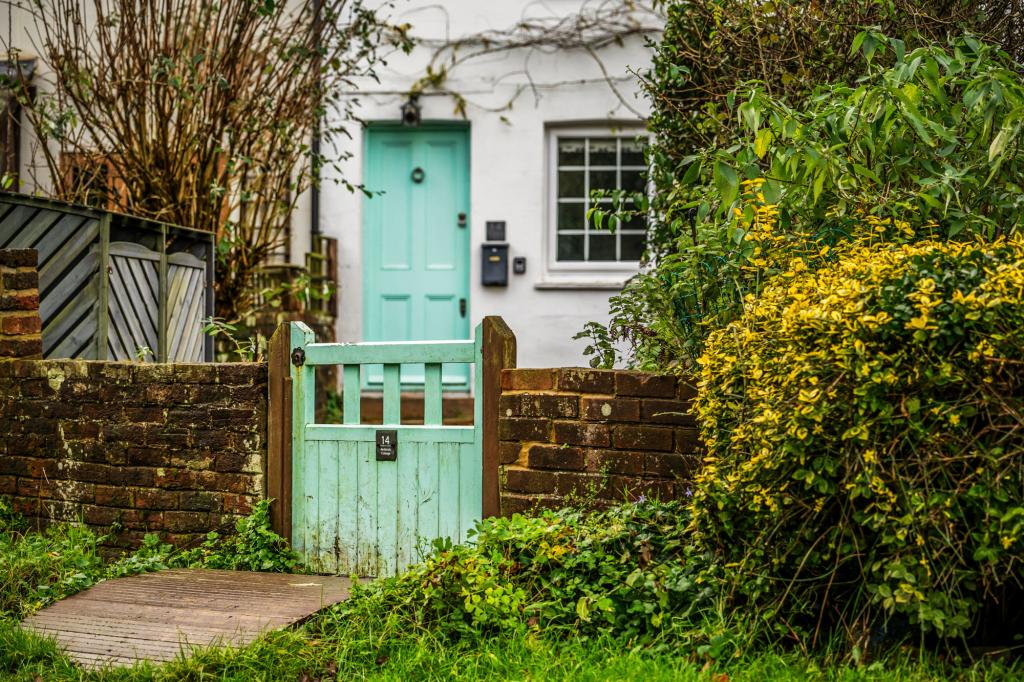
(305, 655)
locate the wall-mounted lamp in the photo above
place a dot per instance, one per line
(411, 112)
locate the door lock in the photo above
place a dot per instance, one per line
(462, 307)
(462, 220)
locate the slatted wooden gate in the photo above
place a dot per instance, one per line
(366, 500)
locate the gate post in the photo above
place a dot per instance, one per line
(499, 352)
(279, 431)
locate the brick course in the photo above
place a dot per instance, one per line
(603, 435)
(20, 328)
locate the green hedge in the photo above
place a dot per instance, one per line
(865, 433)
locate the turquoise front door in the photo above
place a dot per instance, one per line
(416, 242)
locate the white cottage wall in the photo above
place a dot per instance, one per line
(509, 164)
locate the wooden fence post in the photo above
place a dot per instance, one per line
(499, 352)
(279, 431)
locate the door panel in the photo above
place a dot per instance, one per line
(416, 255)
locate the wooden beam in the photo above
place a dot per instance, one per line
(499, 352)
(279, 431)
(103, 282)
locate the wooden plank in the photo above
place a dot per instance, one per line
(177, 285)
(77, 341)
(69, 253)
(352, 399)
(392, 394)
(329, 510)
(387, 516)
(194, 319)
(366, 508)
(406, 433)
(72, 282)
(64, 229)
(348, 504)
(185, 343)
(448, 491)
(162, 314)
(279, 431)
(303, 396)
(138, 278)
(160, 616)
(432, 396)
(470, 488)
(134, 251)
(427, 490)
(397, 352)
(31, 230)
(310, 473)
(408, 524)
(184, 307)
(125, 326)
(102, 351)
(118, 347)
(10, 227)
(498, 352)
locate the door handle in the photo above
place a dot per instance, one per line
(462, 220)
(462, 307)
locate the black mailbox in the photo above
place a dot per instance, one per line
(494, 265)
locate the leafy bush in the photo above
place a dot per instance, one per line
(38, 568)
(711, 46)
(253, 547)
(627, 571)
(927, 139)
(865, 431)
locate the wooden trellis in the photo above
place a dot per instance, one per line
(111, 286)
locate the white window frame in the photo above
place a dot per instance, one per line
(579, 273)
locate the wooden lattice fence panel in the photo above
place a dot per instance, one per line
(186, 302)
(114, 287)
(67, 245)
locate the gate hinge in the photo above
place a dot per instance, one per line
(298, 357)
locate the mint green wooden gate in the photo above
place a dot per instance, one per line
(354, 511)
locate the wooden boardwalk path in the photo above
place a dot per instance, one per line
(155, 616)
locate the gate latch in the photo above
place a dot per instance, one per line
(298, 357)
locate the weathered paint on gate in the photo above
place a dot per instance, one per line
(353, 514)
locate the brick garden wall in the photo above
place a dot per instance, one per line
(175, 449)
(604, 435)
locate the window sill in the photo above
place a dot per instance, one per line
(582, 283)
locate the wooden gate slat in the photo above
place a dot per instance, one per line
(63, 229)
(33, 230)
(65, 257)
(77, 342)
(84, 270)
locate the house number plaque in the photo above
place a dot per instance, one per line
(387, 445)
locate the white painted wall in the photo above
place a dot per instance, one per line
(509, 164)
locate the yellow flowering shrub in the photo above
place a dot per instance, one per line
(864, 422)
